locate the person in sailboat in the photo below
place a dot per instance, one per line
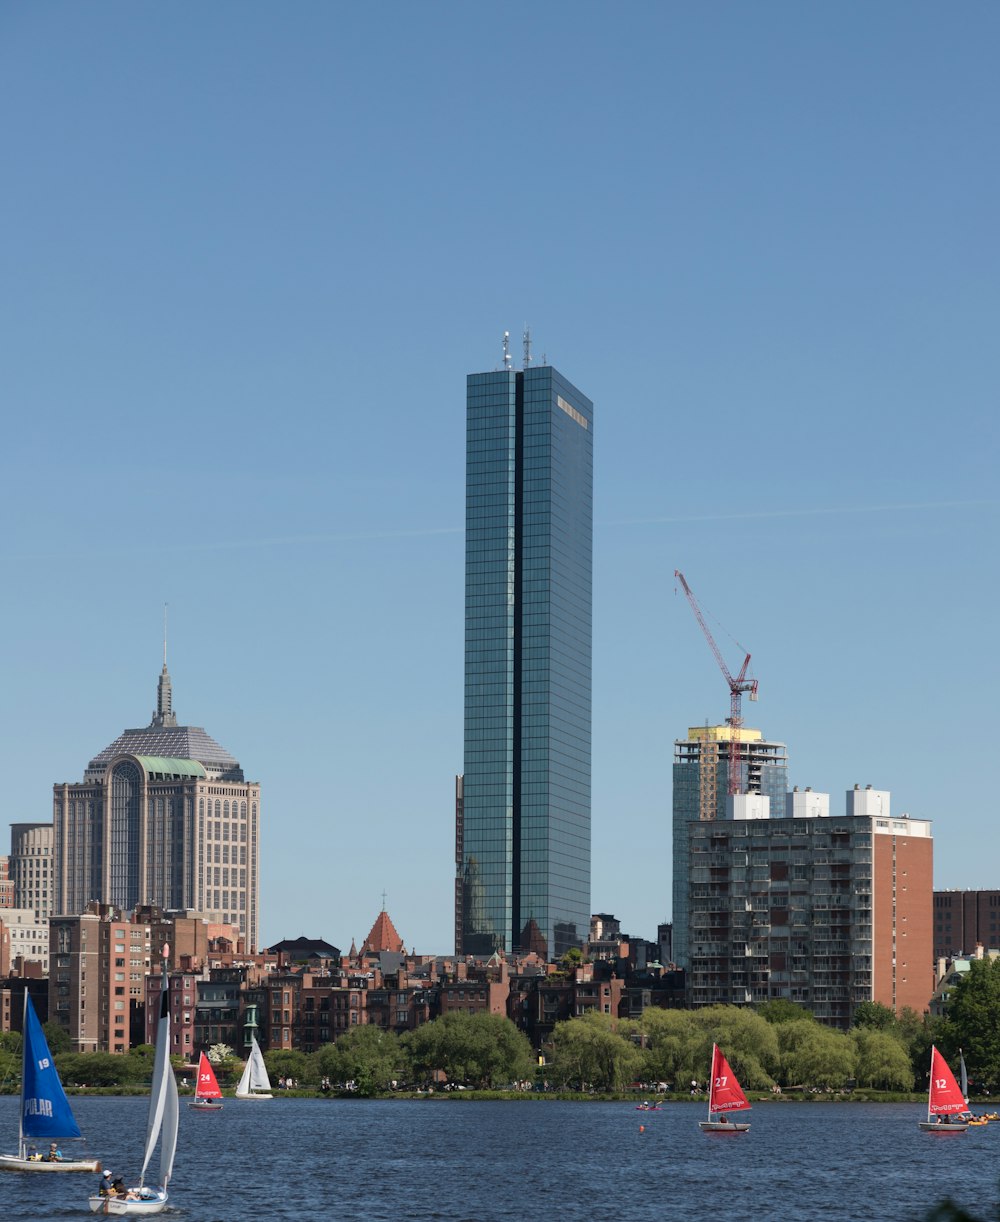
(54, 1155)
(104, 1188)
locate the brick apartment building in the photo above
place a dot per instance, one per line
(964, 920)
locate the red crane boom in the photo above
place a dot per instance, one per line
(737, 687)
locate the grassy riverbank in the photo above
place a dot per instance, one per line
(539, 1096)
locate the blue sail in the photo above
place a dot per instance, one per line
(45, 1110)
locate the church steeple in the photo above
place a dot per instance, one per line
(164, 715)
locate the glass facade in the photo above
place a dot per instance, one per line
(524, 863)
(126, 820)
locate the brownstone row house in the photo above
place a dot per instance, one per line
(303, 993)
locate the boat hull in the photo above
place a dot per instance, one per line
(12, 1162)
(932, 1126)
(205, 1105)
(252, 1095)
(124, 1208)
(719, 1126)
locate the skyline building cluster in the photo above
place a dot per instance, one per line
(772, 897)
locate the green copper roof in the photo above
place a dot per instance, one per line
(172, 767)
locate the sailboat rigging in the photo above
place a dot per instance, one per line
(724, 1095)
(207, 1096)
(45, 1111)
(945, 1101)
(254, 1084)
(161, 1126)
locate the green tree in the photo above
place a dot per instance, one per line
(749, 1042)
(94, 1069)
(876, 1015)
(286, 1063)
(589, 1052)
(815, 1056)
(972, 1022)
(57, 1037)
(882, 1060)
(481, 1049)
(10, 1043)
(781, 1010)
(570, 961)
(672, 1044)
(367, 1056)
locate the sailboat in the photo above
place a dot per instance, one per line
(968, 1116)
(724, 1095)
(255, 1084)
(162, 1124)
(45, 1110)
(944, 1099)
(207, 1096)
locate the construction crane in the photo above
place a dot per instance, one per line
(737, 687)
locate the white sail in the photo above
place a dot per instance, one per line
(258, 1070)
(171, 1122)
(254, 1080)
(161, 1070)
(243, 1086)
(164, 1109)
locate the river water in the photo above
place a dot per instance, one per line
(398, 1160)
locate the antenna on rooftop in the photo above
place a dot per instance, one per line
(506, 350)
(526, 337)
(165, 605)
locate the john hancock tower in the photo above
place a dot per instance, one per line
(523, 805)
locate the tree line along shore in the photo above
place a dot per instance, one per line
(778, 1051)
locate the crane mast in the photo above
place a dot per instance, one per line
(737, 686)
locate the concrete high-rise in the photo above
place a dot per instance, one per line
(523, 814)
(701, 777)
(798, 904)
(163, 817)
(31, 866)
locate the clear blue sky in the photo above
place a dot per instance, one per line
(248, 253)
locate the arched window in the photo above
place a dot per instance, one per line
(126, 817)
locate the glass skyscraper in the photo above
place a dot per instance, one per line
(523, 819)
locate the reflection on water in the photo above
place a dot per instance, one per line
(492, 1162)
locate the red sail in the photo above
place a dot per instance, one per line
(208, 1086)
(945, 1094)
(725, 1093)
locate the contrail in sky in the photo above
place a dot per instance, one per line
(374, 536)
(831, 511)
(428, 532)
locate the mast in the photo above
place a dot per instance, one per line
(24, 1064)
(711, 1079)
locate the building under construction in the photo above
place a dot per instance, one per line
(702, 780)
(801, 905)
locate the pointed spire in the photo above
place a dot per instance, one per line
(164, 715)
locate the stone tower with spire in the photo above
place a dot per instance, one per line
(163, 816)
